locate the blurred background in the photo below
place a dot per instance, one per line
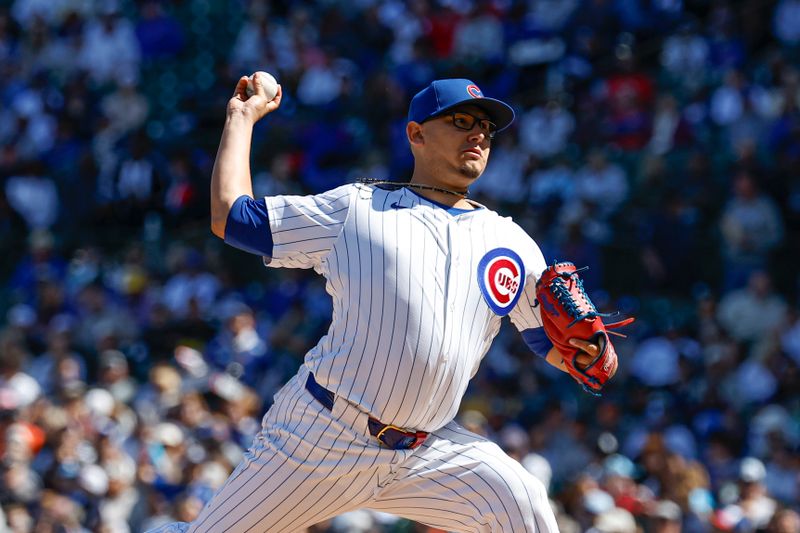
(656, 141)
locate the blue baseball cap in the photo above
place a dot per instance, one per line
(442, 95)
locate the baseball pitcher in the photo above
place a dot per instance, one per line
(420, 277)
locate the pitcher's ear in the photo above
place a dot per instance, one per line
(414, 133)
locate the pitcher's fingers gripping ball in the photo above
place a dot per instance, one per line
(575, 328)
(266, 81)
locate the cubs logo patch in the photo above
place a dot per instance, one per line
(474, 91)
(500, 277)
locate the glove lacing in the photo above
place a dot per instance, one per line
(583, 307)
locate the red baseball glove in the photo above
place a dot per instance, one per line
(568, 313)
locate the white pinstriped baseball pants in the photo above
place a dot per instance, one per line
(309, 464)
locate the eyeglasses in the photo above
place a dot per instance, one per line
(466, 121)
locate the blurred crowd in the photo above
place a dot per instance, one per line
(656, 141)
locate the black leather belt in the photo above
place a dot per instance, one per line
(390, 436)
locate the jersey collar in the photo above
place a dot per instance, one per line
(455, 211)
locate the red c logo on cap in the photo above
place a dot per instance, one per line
(474, 91)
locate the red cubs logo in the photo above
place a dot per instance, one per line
(500, 277)
(474, 91)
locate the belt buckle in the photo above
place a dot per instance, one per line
(401, 440)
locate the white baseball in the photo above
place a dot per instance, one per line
(268, 82)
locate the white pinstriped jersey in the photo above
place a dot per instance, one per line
(417, 294)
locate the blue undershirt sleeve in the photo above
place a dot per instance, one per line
(248, 227)
(537, 341)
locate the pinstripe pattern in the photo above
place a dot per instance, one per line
(459, 481)
(286, 481)
(410, 326)
(408, 329)
(309, 464)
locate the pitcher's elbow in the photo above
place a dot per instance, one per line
(220, 209)
(218, 227)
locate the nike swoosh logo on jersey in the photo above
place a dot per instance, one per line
(398, 206)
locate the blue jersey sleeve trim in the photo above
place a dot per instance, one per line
(537, 341)
(248, 227)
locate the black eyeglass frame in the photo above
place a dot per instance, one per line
(488, 127)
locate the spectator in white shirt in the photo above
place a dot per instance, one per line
(545, 130)
(602, 183)
(109, 46)
(34, 196)
(750, 313)
(685, 56)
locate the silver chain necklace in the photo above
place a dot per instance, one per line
(400, 184)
